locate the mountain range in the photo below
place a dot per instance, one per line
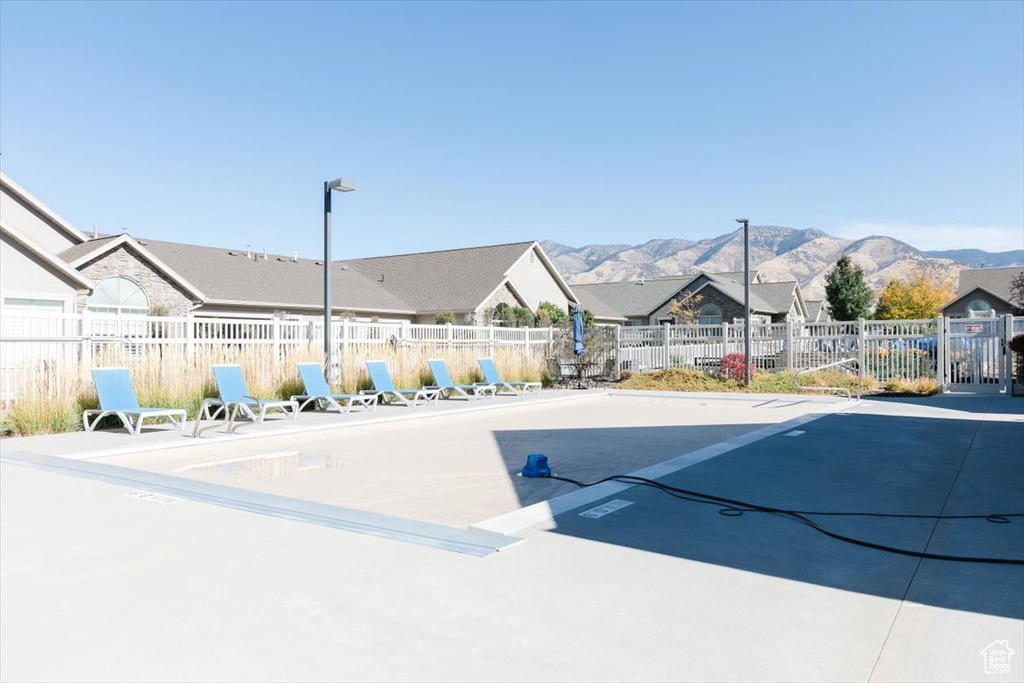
(780, 253)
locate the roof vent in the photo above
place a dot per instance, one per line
(317, 263)
(264, 253)
(295, 256)
(95, 231)
(124, 230)
(640, 281)
(279, 258)
(231, 253)
(382, 277)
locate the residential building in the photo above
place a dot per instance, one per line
(983, 292)
(32, 277)
(647, 302)
(48, 264)
(817, 311)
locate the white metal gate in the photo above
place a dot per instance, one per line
(975, 358)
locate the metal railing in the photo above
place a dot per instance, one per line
(838, 363)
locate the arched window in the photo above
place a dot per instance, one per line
(118, 295)
(979, 308)
(709, 314)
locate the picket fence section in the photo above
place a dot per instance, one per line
(28, 340)
(885, 349)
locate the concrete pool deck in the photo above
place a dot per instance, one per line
(99, 584)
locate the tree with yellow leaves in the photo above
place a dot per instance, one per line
(918, 297)
(686, 310)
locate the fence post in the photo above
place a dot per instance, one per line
(447, 334)
(490, 341)
(618, 353)
(86, 332)
(789, 343)
(344, 335)
(861, 355)
(1007, 369)
(941, 352)
(275, 338)
(190, 335)
(725, 338)
(668, 331)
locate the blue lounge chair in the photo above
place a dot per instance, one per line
(317, 390)
(385, 388)
(234, 399)
(443, 381)
(491, 376)
(117, 397)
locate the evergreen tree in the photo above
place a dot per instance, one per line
(848, 295)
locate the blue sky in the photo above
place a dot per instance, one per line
(476, 123)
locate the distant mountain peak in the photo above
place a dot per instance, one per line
(779, 252)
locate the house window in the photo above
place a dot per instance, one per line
(34, 305)
(118, 295)
(709, 314)
(979, 308)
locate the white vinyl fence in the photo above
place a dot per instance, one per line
(959, 354)
(81, 338)
(885, 349)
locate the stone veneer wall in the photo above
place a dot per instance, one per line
(503, 296)
(124, 262)
(709, 295)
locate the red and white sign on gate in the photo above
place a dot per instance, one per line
(972, 328)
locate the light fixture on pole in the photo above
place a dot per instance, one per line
(336, 185)
(746, 299)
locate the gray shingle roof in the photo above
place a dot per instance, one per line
(225, 275)
(737, 276)
(995, 280)
(453, 279)
(734, 290)
(590, 302)
(632, 298)
(777, 297)
(79, 250)
(813, 308)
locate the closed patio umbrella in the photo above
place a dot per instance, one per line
(577, 330)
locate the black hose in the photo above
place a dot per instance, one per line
(736, 508)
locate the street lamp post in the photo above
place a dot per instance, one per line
(746, 299)
(336, 185)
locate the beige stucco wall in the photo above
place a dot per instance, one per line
(535, 283)
(124, 262)
(24, 276)
(37, 227)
